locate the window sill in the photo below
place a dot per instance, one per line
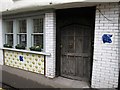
(27, 51)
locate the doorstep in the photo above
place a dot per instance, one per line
(22, 79)
(69, 83)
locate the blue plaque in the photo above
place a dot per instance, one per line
(106, 38)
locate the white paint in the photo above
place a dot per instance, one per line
(29, 32)
(1, 44)
(50, 43)
(5, 4)
(20, 4)
(106, 55)
(26, 51)
(15, 31)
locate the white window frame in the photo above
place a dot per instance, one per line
(29, 31)
(18, 34)
(32, 34)
(6, 33)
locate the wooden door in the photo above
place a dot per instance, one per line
(76, 52)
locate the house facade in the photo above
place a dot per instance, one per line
(78, 40)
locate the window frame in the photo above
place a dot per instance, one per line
(29, 31)
(18, 34)
(32, 34)
(6, 33)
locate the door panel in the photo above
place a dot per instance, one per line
(78, 44)
(75, 52)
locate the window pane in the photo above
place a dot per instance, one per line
(10, 27)
(22, 26)
(22, 39)
(9, 39)
(38, 40)
(38, 25)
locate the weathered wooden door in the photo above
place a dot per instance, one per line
(76, 52)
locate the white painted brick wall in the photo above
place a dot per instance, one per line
(50, 43)
(1, 44)
(105, 60)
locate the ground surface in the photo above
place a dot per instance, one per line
(6, 87)
(22, 79)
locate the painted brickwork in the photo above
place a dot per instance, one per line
(31, 62)
(50, 43)
(1, 39)
(105, 63)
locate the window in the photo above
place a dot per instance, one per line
(37, 35)
(9, 33)
(21, 30)
(22, 34)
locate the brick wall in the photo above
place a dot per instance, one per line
(106, 55)
(1, 44)
(50, 43)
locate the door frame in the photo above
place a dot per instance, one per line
(58, 37)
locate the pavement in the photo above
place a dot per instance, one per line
(6, 87)
(23, 79)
